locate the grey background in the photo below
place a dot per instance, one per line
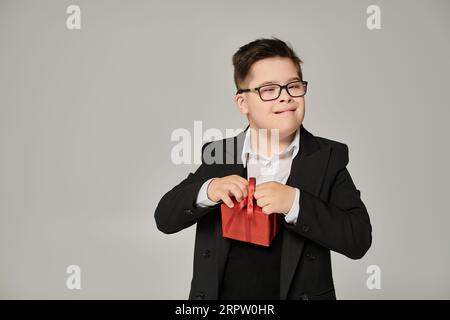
(86, 118)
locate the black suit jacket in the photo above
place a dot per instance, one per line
(331, 217)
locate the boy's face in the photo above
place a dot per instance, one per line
(265, 114)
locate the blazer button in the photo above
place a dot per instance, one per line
(206, 253)
(310, 256)
(188, 211)
(305, 228)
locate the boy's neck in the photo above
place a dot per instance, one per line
(262, 143)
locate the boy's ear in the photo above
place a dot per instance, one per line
(241, 103)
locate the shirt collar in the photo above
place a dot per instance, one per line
(247, 148)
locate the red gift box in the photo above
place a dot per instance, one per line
(246, 221)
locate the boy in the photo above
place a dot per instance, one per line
(308, 185)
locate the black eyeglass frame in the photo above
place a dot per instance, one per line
(257, 89)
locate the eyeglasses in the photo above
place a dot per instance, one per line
(270, 92)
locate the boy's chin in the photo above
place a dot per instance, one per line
(284, 127)
(284, 130)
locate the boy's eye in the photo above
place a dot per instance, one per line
(269, 89)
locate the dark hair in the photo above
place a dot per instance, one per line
(260, 49)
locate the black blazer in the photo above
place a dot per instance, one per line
(332, 217)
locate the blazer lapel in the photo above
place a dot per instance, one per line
(307, 173)
(233, 152)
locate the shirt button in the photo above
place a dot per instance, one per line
(200, 296)
(206, 253)
(310, 256)
(305, 228)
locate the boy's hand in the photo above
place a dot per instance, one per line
(223, 188)
(274, 197)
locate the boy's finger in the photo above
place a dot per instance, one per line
(245, 181)
(240, 180)
(245, 192)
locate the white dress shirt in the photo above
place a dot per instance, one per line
(264, 169)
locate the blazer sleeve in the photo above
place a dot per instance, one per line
(177, 209)
(341, 224)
